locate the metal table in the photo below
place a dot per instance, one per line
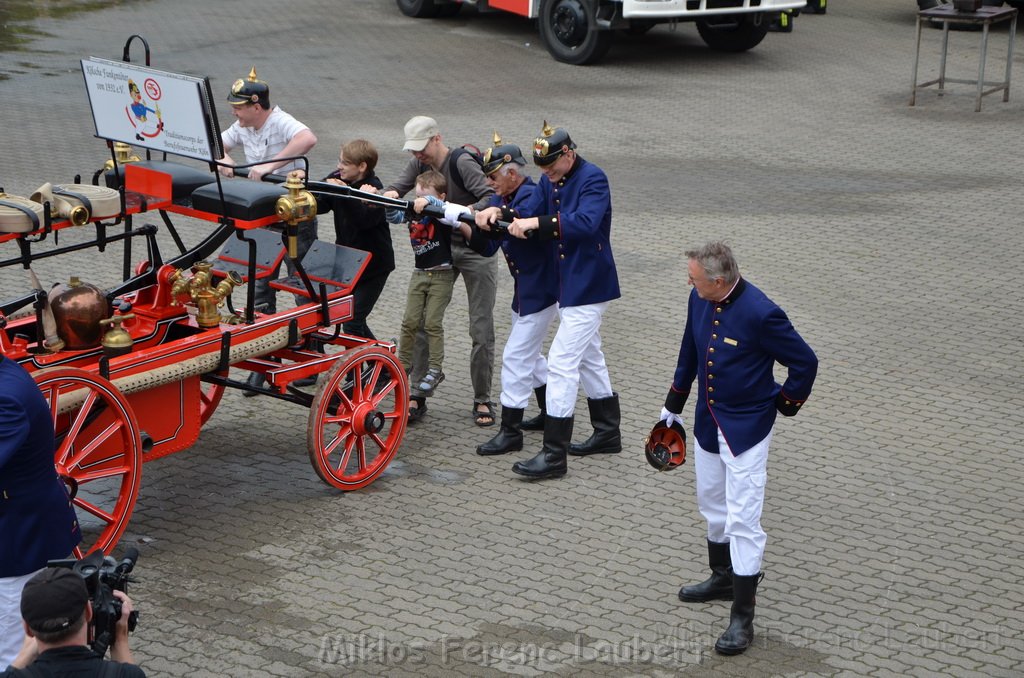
(985, 17)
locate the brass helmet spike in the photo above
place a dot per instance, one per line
(547, 130)
(252, 74)
(496, 141)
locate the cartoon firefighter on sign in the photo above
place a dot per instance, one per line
(138, 113)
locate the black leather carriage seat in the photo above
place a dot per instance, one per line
(243, 199)
(184, 179)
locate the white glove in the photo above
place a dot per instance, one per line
(452, 213)
(671, 417)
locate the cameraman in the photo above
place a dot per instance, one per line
(57, 616)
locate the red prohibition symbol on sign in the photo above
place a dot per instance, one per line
(153, 89)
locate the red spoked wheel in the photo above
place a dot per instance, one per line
(98, 452)
(358, 418)
(209, 398)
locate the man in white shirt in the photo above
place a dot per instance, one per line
(270, 134)
(264, 133)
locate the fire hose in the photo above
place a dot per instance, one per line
(200, 364)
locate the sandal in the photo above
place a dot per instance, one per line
(431, 380)
(484, 417)
(416, 413)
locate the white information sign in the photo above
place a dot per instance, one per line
(161, 111)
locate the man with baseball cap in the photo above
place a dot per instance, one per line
(56, 614)
(466, 186)
(572, 206)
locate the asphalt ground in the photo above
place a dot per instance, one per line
(888, 232)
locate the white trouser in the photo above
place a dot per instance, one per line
(12, 633)
(730, 496)
(523, 365)
(576, 357)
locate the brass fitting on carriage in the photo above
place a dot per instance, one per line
(124, 155)
(298, 205)
(117, 341)
(199, 287)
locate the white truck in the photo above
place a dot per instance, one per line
(580, 31)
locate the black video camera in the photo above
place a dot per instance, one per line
(103, 575)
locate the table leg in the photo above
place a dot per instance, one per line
(942, 60)
(1009, 57)
(917, 58)
(981, 66)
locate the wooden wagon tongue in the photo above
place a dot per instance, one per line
(77, 203)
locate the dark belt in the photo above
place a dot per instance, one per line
(31, 215)
(78, 196)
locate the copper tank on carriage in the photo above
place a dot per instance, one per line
(78, 309)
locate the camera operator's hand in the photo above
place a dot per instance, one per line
(120, 651)
(27, 654)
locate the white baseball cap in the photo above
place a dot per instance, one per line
(418, 133)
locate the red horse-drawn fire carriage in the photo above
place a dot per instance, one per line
(132, 373)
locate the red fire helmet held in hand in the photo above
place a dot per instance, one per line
(665, 447)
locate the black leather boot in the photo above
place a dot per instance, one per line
(537, 423)
(255, 380)
(740, 634)
(550, 462)
(605, 417)
(509, 437)
(719, 585)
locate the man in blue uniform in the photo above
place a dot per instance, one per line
(37, 521)
(573, 207)
(734, 336)
(532, 265)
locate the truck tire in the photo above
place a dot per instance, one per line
(419, 9)
(449, 9)
(568, 29)
(733, 33)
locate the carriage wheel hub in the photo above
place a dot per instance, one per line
(367, 420)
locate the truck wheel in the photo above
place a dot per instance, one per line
(449, 9)
(420, 9)
(568, 28)
(733, 34)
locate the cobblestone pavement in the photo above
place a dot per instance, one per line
(888, 232)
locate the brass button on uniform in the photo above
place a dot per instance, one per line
(714, 336)
(711, 402)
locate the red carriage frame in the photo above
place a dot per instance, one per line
(113, 413)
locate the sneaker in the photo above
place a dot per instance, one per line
(431, 380)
